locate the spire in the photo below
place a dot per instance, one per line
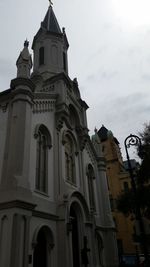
(24, 62)
(50, 47)
(50, 22)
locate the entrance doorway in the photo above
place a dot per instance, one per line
(40, 251)
(43, 249)
(76, 246)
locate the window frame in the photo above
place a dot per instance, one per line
(42, 146)
(41, 55)
(91, 190)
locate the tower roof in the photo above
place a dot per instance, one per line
(50, 22)
(103, 133)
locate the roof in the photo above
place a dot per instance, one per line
(50, 22)
(103, 133)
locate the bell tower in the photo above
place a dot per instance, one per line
(50, 47)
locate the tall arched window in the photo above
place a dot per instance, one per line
(70, 159)
(64, 61)
(41, 56)
(91, 177)
(43, 144)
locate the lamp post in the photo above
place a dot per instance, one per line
(134, 140)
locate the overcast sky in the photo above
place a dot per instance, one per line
(109, 54)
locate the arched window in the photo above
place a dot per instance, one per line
(91, 177)
(43, 144)
(64, 61)
(69, 159)
(74, 117)
(41, 56)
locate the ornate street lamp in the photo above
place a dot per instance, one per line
(134, 140)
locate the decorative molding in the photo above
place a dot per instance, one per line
(48, 88)
(22, 82)
(72, 136)
(45, 131)
(4, 107)
(44, 215)
(17, 204)
(62, 116)
(83, 136)
(59, 123)
(41, 106)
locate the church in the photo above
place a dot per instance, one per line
(54, 201)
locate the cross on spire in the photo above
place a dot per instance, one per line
(50, 2)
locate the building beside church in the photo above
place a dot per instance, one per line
(54, 201)
(119, 181)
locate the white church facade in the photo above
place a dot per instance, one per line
(54, 203)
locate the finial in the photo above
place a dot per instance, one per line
(50, 3)
(95, 130)
(26, 43)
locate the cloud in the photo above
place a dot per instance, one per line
(7, 72)
(146, 77)
(122, 115)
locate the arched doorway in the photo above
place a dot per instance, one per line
(75, 238)
(40, 251)
(100, 247)
(77, 233)
(43, 245)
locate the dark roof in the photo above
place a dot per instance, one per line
(50, 22)
(5, 92)
(102, 133)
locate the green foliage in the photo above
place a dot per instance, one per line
(144, 154)
(127, 201)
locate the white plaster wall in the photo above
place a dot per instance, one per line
(3, 131)
(51, 65)
(87, 159)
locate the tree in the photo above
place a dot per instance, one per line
(127, 201)
(144, 154)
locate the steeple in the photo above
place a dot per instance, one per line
(50, 22)
(24, 62)
(50, 47)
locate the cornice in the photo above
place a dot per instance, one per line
(105, 228)
(22, 81)
(17, 204)
(60, 76)
(44, 215)
(41, 95)
(43, 31)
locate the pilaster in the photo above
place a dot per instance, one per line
(16, 161)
